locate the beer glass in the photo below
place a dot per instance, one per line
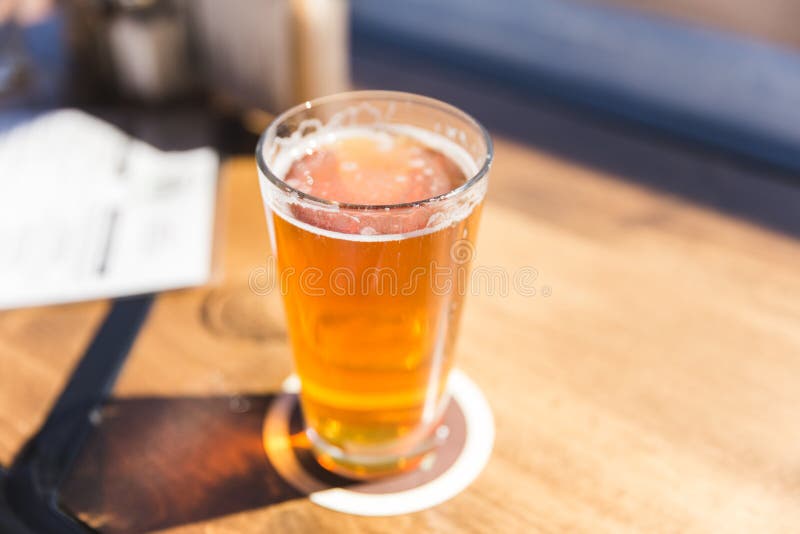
(373, 292)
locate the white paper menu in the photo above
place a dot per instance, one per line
(88, 212)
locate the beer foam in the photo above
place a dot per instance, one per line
(297, 146)
(295, 149)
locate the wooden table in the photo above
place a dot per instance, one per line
(654, 388)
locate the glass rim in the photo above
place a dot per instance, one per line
(374, 95)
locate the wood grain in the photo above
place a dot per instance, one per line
(650, 385)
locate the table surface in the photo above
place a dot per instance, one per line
(650, 384)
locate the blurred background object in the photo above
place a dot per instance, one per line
(149, 46)
(271, 55)
(247, 53)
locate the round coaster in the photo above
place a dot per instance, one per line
(468, 436)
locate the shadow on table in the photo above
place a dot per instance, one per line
(155, 463)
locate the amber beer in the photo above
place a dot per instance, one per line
(372, 218)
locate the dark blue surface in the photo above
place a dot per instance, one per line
(32, 484)
(722, 89)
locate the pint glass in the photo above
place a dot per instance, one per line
(372, 202)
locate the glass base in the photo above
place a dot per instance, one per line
(366, 466)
